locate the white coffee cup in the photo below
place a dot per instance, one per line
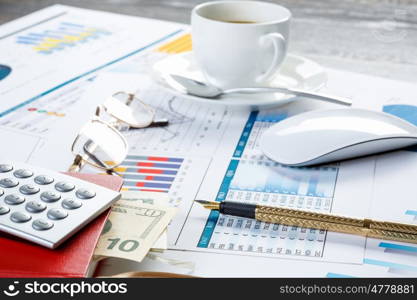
(232, 54)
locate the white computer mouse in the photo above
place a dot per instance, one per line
(323, 136)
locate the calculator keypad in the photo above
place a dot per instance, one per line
(4, 210)
(85, 194)
(71, 204)
(20, 217)
(57, 214)
(64, 187)
(40, 224)
(8, 182)
(23, 173)
(4, 168)
(50, 196)
(14, 199)
(34, 206)
(47, 207)
(43, 180)
(29, 189)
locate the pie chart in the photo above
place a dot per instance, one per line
(4, 71)
(403, 111)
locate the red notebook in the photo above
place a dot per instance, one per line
(19, 258)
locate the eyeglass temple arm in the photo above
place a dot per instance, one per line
(76, 164)
(130, 98)
(155, 123)
(98, 161)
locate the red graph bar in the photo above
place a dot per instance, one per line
(152, 171)
(145, 164)
(154, 158)
(151, 190)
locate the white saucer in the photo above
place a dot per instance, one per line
(296, 72)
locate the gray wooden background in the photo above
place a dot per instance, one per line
(376, 37)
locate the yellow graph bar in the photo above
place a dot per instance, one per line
(72, 38)
(180, 45)
(120, 169)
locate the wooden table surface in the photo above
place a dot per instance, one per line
(376, 37)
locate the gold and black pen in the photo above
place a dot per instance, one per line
(293, 217)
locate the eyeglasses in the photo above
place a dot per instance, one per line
(100, 143)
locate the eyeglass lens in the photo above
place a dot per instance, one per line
(137, 115)
(100, 145)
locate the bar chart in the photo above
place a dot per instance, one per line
(149, 173)
(253, 178)
(271, 177)
(62, 36)
(270, 183)
(164, 174)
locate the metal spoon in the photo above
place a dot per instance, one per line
(201, 89)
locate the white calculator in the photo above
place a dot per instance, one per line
(47, 207)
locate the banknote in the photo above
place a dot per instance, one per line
(132, 229)
(154, 198)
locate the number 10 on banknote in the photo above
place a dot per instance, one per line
(131, 230)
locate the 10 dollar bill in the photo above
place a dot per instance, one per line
(132, 229)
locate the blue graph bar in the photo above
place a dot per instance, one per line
(167, 159)
(72, 25)
(28, 38)
(390, 265)
(411, 212)
(149, 171)
(398, 247)
(26, 43)
(273, 183)
(61, 34)
(70, 31)
(39, 35)
(147, 184)
(312, 185)
(337, 275)
(275, 178)
(148, 177)
(57, 34)
(53, 36)
(295, 186)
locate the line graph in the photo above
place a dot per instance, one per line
(192, 128)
